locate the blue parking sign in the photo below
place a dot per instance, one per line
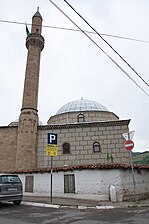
(52, 138)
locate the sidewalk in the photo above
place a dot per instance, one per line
(59, 202)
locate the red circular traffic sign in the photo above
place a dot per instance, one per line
(129, 144)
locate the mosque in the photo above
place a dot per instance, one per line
(87, 132)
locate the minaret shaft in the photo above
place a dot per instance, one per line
(28, 120)
(30, 95)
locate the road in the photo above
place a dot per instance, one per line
(24, 214)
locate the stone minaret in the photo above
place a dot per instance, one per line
(28, 120)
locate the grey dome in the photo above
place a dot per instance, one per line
(81, 105)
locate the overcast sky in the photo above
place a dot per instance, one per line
(72, 66)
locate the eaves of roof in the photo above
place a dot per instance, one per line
(85, 124)
(108, 166)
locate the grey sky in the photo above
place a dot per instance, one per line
(72, 66)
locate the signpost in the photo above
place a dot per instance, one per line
(129, 144)
(52, 150)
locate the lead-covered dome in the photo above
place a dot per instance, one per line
(81, 105)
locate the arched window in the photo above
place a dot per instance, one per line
(96, 147)
(80, 118)
(66, 148)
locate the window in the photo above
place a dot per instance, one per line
(69, 183)
(66, 148)
(6, 179)
(96, 147)
(80, 118)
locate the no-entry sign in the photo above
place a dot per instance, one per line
(129, 144)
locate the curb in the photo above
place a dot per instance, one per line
(41, 205)
(81, 207)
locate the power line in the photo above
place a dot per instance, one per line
(77, 30)
(99, 48)
(106, 42)
(80, 30)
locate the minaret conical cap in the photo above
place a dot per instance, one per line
(37, 14)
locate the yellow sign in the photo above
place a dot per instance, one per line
(51, 150)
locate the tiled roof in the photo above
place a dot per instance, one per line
(83, 167)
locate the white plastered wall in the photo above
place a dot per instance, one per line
(90, 184)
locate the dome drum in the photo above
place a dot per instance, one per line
(89, 116)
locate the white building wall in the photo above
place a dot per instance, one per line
(91, 184)
(96, 183)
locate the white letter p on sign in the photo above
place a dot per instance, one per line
(52, 138)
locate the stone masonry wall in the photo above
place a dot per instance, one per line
(81, 141)
(141, 177)
(8, 145)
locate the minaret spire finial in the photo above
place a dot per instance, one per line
(38, 8)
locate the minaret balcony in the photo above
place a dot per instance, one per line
(35, 39)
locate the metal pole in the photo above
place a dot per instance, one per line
(133, 176)
(51, 176)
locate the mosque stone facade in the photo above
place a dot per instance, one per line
(97, 139)
(87, 132)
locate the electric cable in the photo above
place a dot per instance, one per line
(99, 47)
(106, 42)
(77, 30)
